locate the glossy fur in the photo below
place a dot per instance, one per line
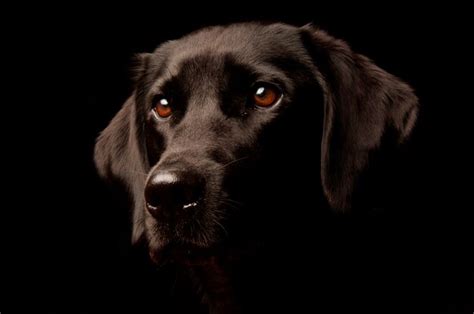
(264, 169)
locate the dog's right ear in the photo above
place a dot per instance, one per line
(118, 158)
(120, 152)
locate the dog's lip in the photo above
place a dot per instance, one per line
(186, 254)
(192, 256)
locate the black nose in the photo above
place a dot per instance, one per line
(168, 192)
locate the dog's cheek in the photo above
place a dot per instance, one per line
(214, 213)
(155, 144)
(154, 239)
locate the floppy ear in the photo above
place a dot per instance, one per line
(119, 156)
(361, 102)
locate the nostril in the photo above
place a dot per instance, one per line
(152, 209)
(158, 190)
(190, 205)
(168, 191)
(190, 192)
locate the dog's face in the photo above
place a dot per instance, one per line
(210, 98)
(225, 123)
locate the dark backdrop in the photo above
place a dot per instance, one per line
(69, 236)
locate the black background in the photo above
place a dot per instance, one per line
(68, 238)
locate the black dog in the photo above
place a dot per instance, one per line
(235, 135)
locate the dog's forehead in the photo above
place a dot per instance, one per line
(245, 41)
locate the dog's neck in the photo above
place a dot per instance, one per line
(215, 282)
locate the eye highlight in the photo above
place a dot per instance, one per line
(162, 107)
(265, 95)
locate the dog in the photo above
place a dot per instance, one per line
(234, 134)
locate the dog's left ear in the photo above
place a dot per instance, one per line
(361, 102)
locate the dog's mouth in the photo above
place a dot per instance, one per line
(186, 254)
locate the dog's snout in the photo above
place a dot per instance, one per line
(168, 192)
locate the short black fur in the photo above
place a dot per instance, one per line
(260, 169)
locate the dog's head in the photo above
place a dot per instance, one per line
(228, 119)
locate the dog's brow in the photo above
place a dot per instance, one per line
(162, 79)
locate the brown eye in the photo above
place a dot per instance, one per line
(266, 95)
(162, 108)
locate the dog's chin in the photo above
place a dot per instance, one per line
(183, 253)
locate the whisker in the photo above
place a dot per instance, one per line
(232, 162)
(221, 226)
(232, 201)
(231, 206)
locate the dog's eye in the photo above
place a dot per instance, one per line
(162, 107)
(266, 95)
